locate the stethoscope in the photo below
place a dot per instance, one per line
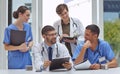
(74, 25)
(43, 49)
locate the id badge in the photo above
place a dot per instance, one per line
(101, 59)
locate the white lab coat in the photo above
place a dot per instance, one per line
(76, 29)
(40, 55)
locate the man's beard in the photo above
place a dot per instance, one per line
(53, 41)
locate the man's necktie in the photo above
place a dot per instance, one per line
(50, 53)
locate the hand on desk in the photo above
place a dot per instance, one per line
(46, 64)
(95, 66)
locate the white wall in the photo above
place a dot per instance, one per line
(89, 12)
(49, 11)
(81, 9)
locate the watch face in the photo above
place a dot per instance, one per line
(104, 66)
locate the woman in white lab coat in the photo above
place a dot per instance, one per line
(41, 57)
(68, 26)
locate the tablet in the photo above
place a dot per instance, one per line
(70, 38)
(57, 63)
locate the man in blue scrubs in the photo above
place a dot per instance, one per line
(95, 50)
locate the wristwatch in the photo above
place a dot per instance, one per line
(103, 66)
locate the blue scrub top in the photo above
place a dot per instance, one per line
(17, 59)
(102, 50)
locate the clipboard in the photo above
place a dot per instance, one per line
(56, 64)
(17, 37)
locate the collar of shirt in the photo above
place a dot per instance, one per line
(46, 46)
(63, 23)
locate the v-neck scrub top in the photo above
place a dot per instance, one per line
(17, 59)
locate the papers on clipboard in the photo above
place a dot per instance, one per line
(83, 66)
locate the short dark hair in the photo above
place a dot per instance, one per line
(60, 8)
(46, 29)
(94, 29)
(21, 9)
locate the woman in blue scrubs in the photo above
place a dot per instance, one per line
(19, 56)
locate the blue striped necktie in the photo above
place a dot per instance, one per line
(50, 53)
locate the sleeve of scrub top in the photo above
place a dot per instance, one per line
(6, 36)
(37, 57)
(30, 33)
(77, 51)
(109, 52)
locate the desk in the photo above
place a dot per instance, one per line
(100, 71)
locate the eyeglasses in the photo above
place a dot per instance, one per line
(53, 34)
(62, 14)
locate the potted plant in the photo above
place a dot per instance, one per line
(112, 35)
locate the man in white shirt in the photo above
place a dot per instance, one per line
(41, 51)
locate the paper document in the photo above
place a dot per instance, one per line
(82, 66)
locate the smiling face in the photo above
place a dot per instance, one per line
(25, 16)
(64, 15)
(92, 32)
(50, 37)
(90, 36)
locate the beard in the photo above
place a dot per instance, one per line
(51, 41)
